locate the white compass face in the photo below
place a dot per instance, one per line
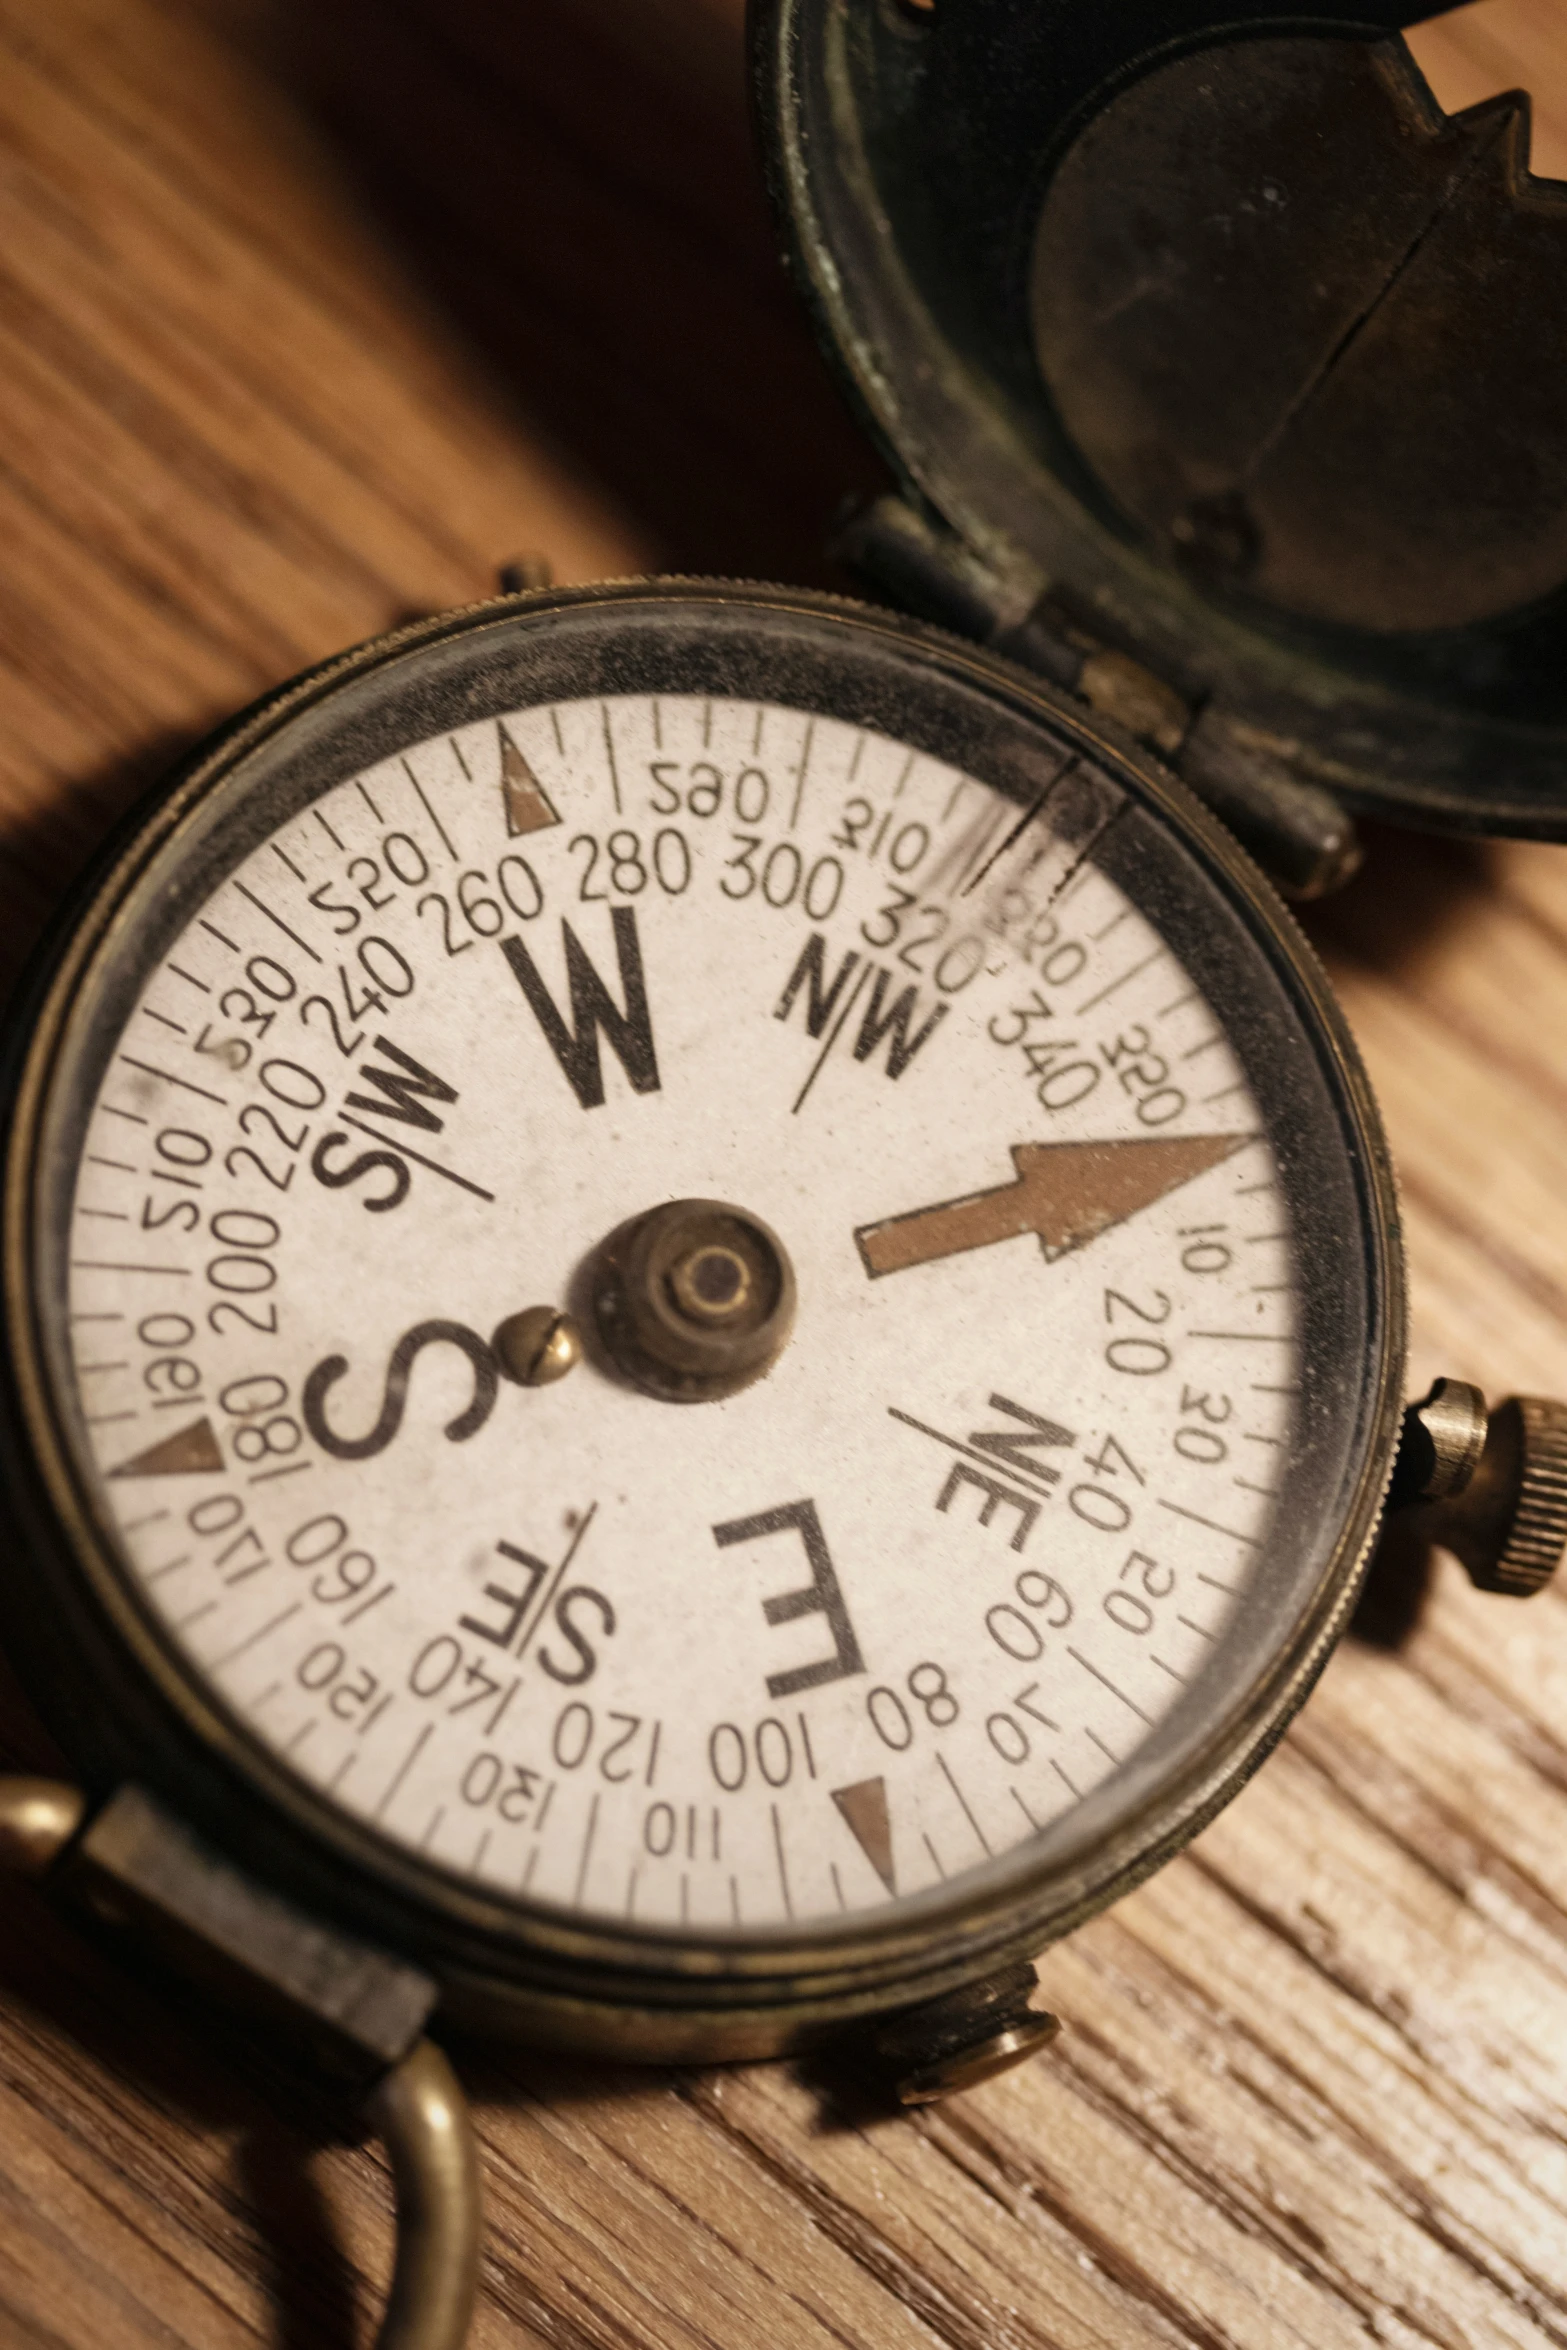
(808, 1649)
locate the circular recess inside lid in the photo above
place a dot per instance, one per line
(1226, 334)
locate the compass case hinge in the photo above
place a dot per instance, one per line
(139, 1869)
(1304, 840)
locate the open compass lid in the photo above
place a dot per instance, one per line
(1212, 355)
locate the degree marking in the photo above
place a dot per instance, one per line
(800, 772)
(1212, 1524)
(262, 907)
(184, 1083)
(1125, 979)
(587, 1846)
(614, 785)
(156, 1575)
(404, 1767)
(1251, 1338)
(783, 1865)
(1131, 1703)
(92, 1265)
(424, 802)
(1017, 832)
(231, 1655)
(945, 1769)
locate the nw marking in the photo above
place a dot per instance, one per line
(1067, 1193)
(628, 1032)
(528, 805)
(879, 1019)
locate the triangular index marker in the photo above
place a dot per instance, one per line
(865, 1815)
(529, 807)
(193, 1452)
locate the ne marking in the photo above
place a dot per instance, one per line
(985, 1460)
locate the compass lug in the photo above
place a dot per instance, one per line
(38, 1818)
(1490, 1487)
(137, 1867)
(966, 2037)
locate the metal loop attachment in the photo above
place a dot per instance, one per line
(416, 2106)
(422, 2116)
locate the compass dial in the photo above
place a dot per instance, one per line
(954, 1550)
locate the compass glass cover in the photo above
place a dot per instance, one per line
(1009, 1515)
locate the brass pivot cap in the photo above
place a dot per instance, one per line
(968, 2036)
(694, 1300)
(1495, 1485)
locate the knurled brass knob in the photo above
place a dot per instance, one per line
(1490, 1487)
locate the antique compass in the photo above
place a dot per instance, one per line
(704, 1318)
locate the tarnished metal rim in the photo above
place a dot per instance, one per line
(504, 1966)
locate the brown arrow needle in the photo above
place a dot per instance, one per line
(1066, 1192)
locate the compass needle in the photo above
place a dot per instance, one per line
(1066, 1193)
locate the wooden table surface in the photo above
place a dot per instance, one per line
(307, 319)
